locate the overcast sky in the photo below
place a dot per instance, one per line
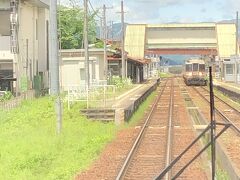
(166, 11)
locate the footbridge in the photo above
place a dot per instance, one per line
(198, 39)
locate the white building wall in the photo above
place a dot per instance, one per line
(73, 71)
(32, 18)
(4, 4)
(42, 39)
(27, 31)
(5, 48)
(73, 78)
(100, 65)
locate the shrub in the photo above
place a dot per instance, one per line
(120, 82)
(6, 96)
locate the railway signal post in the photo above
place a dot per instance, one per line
(213, 125)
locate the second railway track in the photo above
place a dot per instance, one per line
(227, 112)
(229, 141)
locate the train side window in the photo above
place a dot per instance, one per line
(188, 67)
(195, 66)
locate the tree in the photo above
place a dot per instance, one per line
(70, 25)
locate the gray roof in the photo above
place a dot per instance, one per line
(40, 3)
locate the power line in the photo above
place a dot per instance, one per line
(95, 11)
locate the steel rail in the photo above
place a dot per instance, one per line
(127, 161)
(169, 135)
(233, 125)
(235, 109)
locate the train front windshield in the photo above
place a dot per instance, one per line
(195, 67)
(188, 67)
(202, 67)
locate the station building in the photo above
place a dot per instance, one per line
(72, 67)
(23, 43)
(136, 69)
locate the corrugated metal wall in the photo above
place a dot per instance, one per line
(181, 37)
(135, 40)
(226, 37)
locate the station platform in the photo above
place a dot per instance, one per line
(230, 89)
(129, 103)
(125, 104)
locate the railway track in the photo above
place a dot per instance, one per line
(228, 113)
(229, 142)
(165, 133)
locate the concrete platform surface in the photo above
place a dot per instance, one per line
(129, 103)
(130, 96)
(227, 85)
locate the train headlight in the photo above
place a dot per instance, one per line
(200, 73)
(190, 73)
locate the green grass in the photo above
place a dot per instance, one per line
(165, 75)
(225, 97)
(30, 148)
(139, 114)
(221, 174)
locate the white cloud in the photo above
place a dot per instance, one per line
(150, 11)
(165, 3)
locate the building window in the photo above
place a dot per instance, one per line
(82, 74)
(229, 68)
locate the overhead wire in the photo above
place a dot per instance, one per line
(94, 11)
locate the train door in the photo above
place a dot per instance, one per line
(195, 69)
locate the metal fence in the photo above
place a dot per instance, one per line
(16, 101)
(96, 96)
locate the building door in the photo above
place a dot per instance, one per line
(229, 72)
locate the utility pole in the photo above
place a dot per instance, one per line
(101, 28)
(54, 65)
(112, 31)
(236, 52)
(86, 44)
(105, 42)
(123, 51)
(237, 48)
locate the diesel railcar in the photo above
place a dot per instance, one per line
(195, 73)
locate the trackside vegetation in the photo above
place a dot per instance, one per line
(30, 148)
(139, 114)
(165, 75)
